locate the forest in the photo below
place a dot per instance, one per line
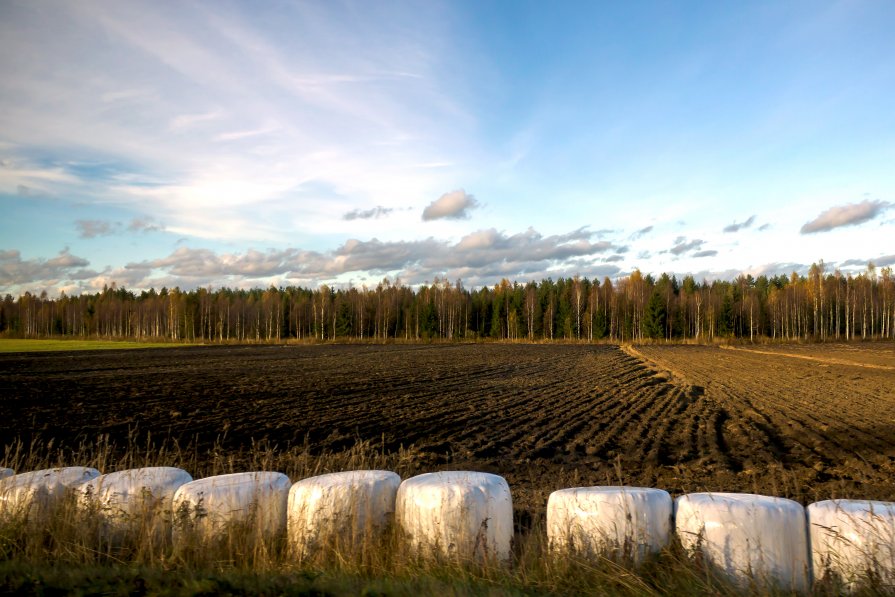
(820, 306)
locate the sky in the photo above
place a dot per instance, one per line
(249, 144)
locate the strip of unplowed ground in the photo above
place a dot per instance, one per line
(544, 416)
(870, 358)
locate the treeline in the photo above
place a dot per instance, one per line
(819, 306)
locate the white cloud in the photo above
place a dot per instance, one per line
(25, 178)
(484, 256)
(305, 93)
(775, 269)
(845, 215)
(455, 205)
(15, 271)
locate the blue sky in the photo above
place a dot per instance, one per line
(247, 144)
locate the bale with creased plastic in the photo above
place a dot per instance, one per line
(340, 509)
(38, 492)
(622, 523)
(753, 539)
(853, 540)
(6, 472)
(127, 498)
(458, 514)
(209, 506)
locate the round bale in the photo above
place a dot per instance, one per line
(458, 514)
(622, 523)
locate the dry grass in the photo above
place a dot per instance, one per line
(70, 549)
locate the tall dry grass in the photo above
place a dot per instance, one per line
(72, 546)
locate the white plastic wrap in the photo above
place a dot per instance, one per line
(128, 496)
(39, 490)
(340, 508)
(752, 538)
(6, 472)
(619, 522)
(213, 504)
(466, 515)
(853, 540)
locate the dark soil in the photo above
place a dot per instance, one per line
(544, 416)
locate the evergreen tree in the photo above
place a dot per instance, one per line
(655, 316)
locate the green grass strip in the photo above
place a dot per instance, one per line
(16, 345)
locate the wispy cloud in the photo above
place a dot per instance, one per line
(186, 121)
(311, 95)
(368, 214)
(245, 134)
(94, 228)
(125, 95)
(236, 126)
(29, 178)
(641, 233)
(147, 224)
(736, 227)
(455, 205)
(845, 215)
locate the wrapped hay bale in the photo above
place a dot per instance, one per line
(340, 510)
(755, 540)
(38, 492)
(458, 514)
(853, 541)
(212, 505)
(6, 472)
(622, 523)
(126, 499)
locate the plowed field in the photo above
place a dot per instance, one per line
(803, 422)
